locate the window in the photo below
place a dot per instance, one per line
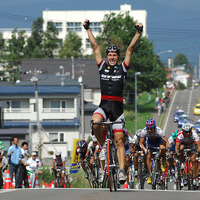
(95, 26)
(16, 104)
(61, 137)
(53, 137)
(58, 25)
(55, 104)
(74, 26)
(88, 44)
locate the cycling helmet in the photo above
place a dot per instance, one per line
(94, 139)
(58, 153)
(150, 123)
(113, 48)
(187, 127)
(174, 134)
(82, 144)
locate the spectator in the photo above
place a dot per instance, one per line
(22, 166)
(32, 168)
(14, 155)
(3, 166)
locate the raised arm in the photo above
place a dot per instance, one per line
(130, 48)
(93, 41)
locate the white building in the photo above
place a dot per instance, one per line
(179, 74)
(72, 21)
(58, 113)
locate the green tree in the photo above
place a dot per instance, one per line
(14, 52)
(71, 46)
(34, 47)
(120, 29)
(180, 59)
(50, 40)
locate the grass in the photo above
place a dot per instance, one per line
(146, 105)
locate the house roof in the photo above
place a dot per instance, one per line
(49, 80)
(86, 68)
(72, 123)
(42, 90)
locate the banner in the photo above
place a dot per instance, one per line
(74, 168)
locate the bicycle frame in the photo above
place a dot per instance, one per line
(111, 167)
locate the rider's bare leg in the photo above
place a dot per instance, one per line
(118, 137)
(97, 128)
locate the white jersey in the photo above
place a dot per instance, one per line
(59, 162)
(24, 155)
(187, 140)
(136, 140)
(157, 134)
(92, 147)
(172, 141)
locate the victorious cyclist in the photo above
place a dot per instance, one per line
(112, 78)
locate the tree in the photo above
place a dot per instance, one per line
(72, 46)
(180, 59)
(50, 40)
(34, 47)
(14, 52)
(120, 29)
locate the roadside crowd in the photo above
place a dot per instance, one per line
(20, 164)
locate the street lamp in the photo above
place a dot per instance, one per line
(136, 74)
(80, 80)
(34, 79)
(167, 51)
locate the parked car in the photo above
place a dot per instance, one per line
(178, 114)
(197, 126)
(196, 109)
(183, 119)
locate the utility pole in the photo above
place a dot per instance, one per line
(34, 79)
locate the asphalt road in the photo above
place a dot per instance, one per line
(185, 100)
(96, 194)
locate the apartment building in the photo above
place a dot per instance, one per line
(72, 21)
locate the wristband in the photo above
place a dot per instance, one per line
(87, 25)
(139, 29)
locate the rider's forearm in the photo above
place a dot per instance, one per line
(92, 39)
(133, 42)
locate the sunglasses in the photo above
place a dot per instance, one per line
(112, 49)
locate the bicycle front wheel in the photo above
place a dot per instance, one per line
(111, 171)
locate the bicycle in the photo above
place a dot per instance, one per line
(188, 169)
(131, 174)
(57, 181)
(111, 167)
(158, 178)
(141, 170)
(89, 173)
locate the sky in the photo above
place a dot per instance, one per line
(171, 24)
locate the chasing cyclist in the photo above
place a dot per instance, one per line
(81, 149)
(112, 79)
(188, 139)
(92, 150)
(155, 138)
(59, 163)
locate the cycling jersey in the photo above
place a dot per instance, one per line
(158, 133)
(112, 80)
(127, 144)
(154, 139)
(59, 162)
(82, 153)
(187, 140)
(92, 148)
(172, 143)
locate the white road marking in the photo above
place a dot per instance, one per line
(166, 121)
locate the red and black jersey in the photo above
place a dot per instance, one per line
(112, 80)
